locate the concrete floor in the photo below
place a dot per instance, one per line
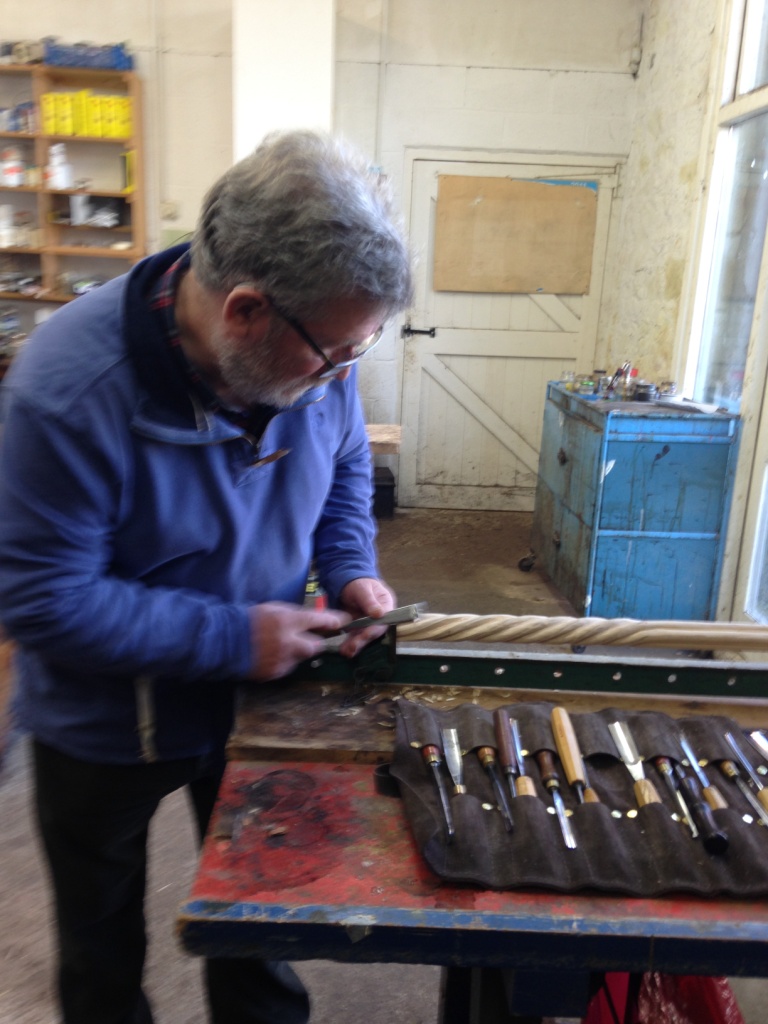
(458, 562)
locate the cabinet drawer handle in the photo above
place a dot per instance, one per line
(562, 458)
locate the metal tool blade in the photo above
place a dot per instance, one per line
(751, 799)
(665, 768)
(759, 742)
(562, 817)
(444, 801)
(407, 613)
(453, 759)
(742, 759)
(627, 749)
(517, 746)
(501, 796)
(693, 761)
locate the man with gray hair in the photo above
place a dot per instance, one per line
(179, 445)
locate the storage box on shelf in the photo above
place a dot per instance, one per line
(77, 219)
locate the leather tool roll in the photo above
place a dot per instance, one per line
(644, 853)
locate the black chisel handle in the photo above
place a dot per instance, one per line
(714, 839)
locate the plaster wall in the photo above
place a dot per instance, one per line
(526, 77)
(642, 317)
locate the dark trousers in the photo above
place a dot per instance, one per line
(94, 822)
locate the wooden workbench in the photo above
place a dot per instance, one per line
(306, 860)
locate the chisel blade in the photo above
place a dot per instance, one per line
(452, 751)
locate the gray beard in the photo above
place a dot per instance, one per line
(259, 377)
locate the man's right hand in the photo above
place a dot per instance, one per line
(283, 635)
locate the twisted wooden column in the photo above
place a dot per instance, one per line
(541, 629)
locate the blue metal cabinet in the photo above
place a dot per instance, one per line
(632, 502)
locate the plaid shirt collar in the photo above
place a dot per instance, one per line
(163, 302)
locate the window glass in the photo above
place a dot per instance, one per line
(738, 246)
(753, 64)
(757, 596)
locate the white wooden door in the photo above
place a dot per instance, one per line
(473, 395)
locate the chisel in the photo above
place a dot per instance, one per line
(645, 791)
(551, 780)
(506, 745)
(525, 784)
(762, 793)
(487, 758)
(453, 759)
(730, 771)
(570, 756)
(712, 794)
(433, 760)
(667, 772)
(759, 742)
(713, 838)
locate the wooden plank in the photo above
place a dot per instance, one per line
(384, 438)
(502, 235)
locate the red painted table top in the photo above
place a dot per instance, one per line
(307, 860)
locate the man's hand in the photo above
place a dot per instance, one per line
(360, 597)
(283, 635)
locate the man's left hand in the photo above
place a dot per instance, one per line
(360, 597)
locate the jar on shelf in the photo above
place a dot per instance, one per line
(58, 171)
(11, 167)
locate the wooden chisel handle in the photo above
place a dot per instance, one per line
(504, 740)
(526, 786)
(714, 797)
(646, 793)
(570, 754)
(567, 745)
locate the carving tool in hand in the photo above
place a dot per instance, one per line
(506, 747)
(431, 754)
(453, 759)
(667, 772)
(551, 780)
(762, 793)
(713, 838)
(645, 791)
(570, 756)
(525, 784)
(406, 613)
(487, 758)
(730, 771)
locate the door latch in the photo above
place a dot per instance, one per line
(406, 331)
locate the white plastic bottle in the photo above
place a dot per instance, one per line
(58, 173)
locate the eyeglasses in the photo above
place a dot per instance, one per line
(358, 348)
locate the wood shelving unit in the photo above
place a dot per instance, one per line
(98, 161)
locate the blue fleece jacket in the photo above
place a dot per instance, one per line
(135, 529)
